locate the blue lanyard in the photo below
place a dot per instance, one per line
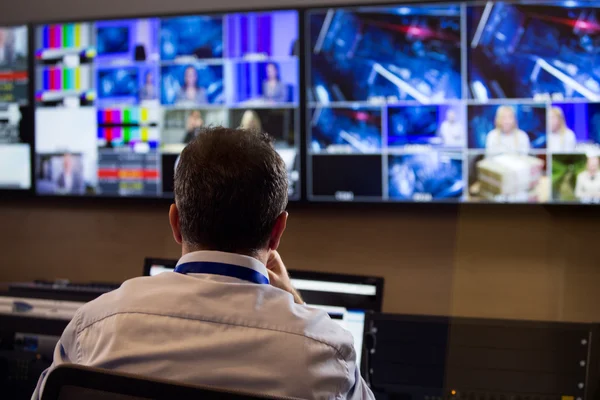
(216, 268)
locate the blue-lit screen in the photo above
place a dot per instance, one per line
(113, 39)
(460, 102)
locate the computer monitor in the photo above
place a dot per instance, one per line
(15, 115)
(453, 102)
(118, 100)
(346, 298)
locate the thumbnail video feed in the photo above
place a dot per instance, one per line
(576, 178)
(134, 128)
(265, 83)
(127, 41)
(385, 54)
(181, 126)
(346, 130)
(127, 85)
(574, 128)
(515, 178)
(191, 37)
(14, 79)
(347, 177)
(127, 62)
(13, 120)
(528, 51)
(118, 85)
(61, 173)
(15, 151)
(192, 85)
(15, 166)
(501, 129)
(66, 151)
(263, 50)
(426, 176)
(427, 126)
(259, 36)
(128, 173)
(64, 65)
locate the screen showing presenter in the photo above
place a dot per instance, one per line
(506, 137)
(561, 139)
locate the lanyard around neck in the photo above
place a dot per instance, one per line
(217, 268)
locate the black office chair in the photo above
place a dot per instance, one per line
(75, 382)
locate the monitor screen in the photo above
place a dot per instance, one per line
(346, 298)
(15, 149)
(118, 100)
(454, 102)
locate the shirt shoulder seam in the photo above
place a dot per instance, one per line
(215, 321)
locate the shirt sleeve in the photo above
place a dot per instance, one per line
(66, 351)
(360, 390)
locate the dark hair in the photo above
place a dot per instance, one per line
(276, 66)
(197, 86)
(230, 187)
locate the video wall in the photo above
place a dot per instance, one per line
(117, 101)
(15, 149)
(450, 102)
(454, 102)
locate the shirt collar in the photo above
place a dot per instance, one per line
(225, 258)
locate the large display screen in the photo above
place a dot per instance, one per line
(117, 101)
(15, 116)
(463, 102)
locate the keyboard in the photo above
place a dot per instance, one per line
(61, 290)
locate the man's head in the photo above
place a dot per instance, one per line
(230, 194)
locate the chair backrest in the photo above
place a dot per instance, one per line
(74, 382)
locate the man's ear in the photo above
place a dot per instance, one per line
(278, 230)
(174, 221)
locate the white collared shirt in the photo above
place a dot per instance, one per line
(563, 142)
(515, 142)
(215, 330)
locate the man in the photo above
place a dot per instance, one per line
(70, 181)
(587, 187)
(228, 316)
